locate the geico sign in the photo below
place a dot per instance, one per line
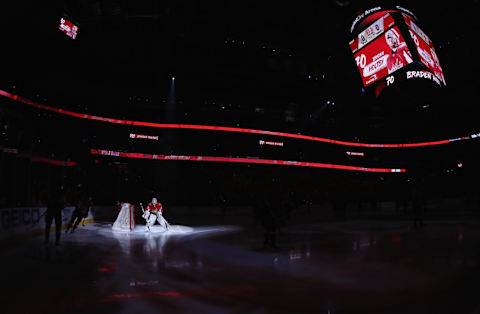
(15, 217)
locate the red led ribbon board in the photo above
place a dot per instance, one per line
(111, 153)
(144, 137)
(425, 48)
(224, 128)
(270, 143)
(386, 54)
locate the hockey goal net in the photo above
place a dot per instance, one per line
(126, 218)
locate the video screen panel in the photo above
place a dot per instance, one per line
(425, 48)
(68, 28)
(372, 32)
(386, 53)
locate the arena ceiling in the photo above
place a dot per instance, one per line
(251, 54)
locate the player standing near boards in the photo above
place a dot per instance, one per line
(55, 206)
(154, 212)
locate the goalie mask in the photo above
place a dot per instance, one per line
(154, 201)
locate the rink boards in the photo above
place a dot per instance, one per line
(29, 221)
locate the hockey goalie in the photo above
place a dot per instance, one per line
(154, 212)
(126, 218)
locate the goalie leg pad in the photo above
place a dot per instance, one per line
(151, 220)
(162, 221)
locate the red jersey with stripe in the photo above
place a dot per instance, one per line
(155, 208)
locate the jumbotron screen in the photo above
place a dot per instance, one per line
(425, 48)
(380, 50)
(68, 28)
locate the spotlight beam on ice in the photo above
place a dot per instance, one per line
(229, 129)
(112, 153)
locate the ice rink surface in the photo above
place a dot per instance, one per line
(331, 267)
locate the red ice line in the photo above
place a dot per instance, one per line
(223, 128)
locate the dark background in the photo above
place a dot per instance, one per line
(253, 64)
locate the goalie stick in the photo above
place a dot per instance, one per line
(166, 222)
(144, 216)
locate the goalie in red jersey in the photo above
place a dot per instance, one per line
(154, 212)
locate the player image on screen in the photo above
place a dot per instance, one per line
(382, 56)
(399, 55)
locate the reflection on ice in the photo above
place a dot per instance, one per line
(174, 230)
(153, 242)
(143, 283)
(159, 229)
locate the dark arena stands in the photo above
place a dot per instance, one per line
(304, 157)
